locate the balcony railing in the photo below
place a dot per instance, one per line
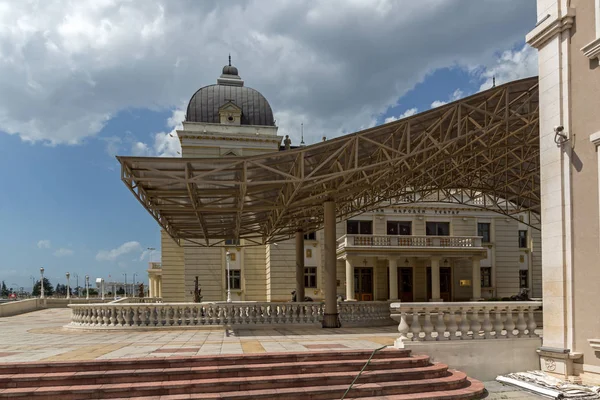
(411, 241)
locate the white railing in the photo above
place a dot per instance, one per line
(168, 315)
(466, 321)
(251, 314)
(137, 300)
(365, 313)
(409, 241)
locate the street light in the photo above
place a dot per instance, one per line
(87, 287)
(125, 274)
(68, 285)
(77, 287)
(228, 258)
(133, 285)
(41, 283)
(32, 283)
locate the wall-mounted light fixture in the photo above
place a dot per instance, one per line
(406, 262)
(465, 219)
(560, 137)
(446, 262)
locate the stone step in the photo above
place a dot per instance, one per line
(315, 387)
(194, 361)
(40, 379)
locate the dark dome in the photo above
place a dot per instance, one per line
(205, 103)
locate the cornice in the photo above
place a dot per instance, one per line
(549, 28)
(595, 138)
(592, 49)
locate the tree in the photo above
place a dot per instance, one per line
(120, 291)
(48, 288)
(93, 292)
(141, 290)
(4, 290)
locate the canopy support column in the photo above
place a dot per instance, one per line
(331, 316)
(299, 265)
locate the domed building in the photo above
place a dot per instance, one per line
(228, 119)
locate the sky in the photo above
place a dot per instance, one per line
(84, 80)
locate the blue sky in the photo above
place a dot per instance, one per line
(63, 205)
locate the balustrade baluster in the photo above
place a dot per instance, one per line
(415, 325)
(113, 316)
(440, 326)
(428, 326)
(487, 324)
(452, 326)
(498, 324)
(475, 324)
(531, 325)
(521, 324)
(509, 324)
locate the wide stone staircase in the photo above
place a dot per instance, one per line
(391, 374)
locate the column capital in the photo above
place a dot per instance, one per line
(435, 258)
(595, 138)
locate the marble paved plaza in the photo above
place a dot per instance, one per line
(41, 335)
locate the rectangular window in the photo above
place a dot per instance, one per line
(310, 236)
(483, 230)
(235, 279)
(523, 239)
(310, 277)
(232, 242)
(355, 227)
(486, 277)
(437, 228)
(523, 279)
(399, 228)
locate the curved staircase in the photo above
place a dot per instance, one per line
(392, 374)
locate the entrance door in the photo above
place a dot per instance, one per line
(405, 284)
(363, 284)
(445, 283)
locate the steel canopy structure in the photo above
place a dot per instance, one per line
(482, 150)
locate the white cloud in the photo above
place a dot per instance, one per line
(405, 114)
(43, 244)
(334, 65)
(62, 252)
(457, 94)
(511, 65)
(112, 255)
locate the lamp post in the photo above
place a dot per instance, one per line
(32, 283)
(125, 274)
(87, 287)
(133, 285)
(77, 287)
(42, 283)
(102, 287)
(228, 258)
(68, 286)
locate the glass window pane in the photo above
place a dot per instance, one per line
(483, 230)
(405, 228)
(523, 239)
(392, 228)
(366, 227)
(352, 227)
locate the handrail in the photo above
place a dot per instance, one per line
(361, 371)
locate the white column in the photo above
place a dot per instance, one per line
(159, 284)
(476, 280)
(349, 280)
(393, 263)
(435, 279)
(150, 288)
(300, 265)
(330, 319)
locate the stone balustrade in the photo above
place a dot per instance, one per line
(249, 314)
(409, 241)
(466, 321)
(172, 315)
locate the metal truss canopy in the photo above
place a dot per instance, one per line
(482, 150)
